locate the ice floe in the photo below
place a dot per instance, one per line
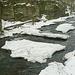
(32, 51)
(65, 27)
(55, 68)
(49, 35)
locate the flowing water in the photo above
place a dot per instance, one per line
(20, 66)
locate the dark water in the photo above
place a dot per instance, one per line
(12, 12)
(19, 66)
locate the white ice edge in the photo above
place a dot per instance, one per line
(56, 68)
(32, 51)
(49, 35)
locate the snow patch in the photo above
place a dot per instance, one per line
(56, 68)
(28, 4)
(34, 32)
(32, 51)
(8, 23)
(53, 68)
(70, 63)
(68, 11)
(19, 4)
(65, 27)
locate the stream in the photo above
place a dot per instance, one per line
(20, 66)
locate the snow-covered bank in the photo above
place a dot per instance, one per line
(30, 29)
(34, 32)
(56, 68)
(70, 56)
(65, 27)
(53, 68)
(37, 24)
(32, 51)
(8, 23)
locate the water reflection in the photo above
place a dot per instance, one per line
(31, 9)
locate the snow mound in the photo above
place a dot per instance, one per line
(70, 66)
(56, 68)
(32, 51)
(19, 4)
(65, 27)
(70, 55)
(70, 63)
(53, 68)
